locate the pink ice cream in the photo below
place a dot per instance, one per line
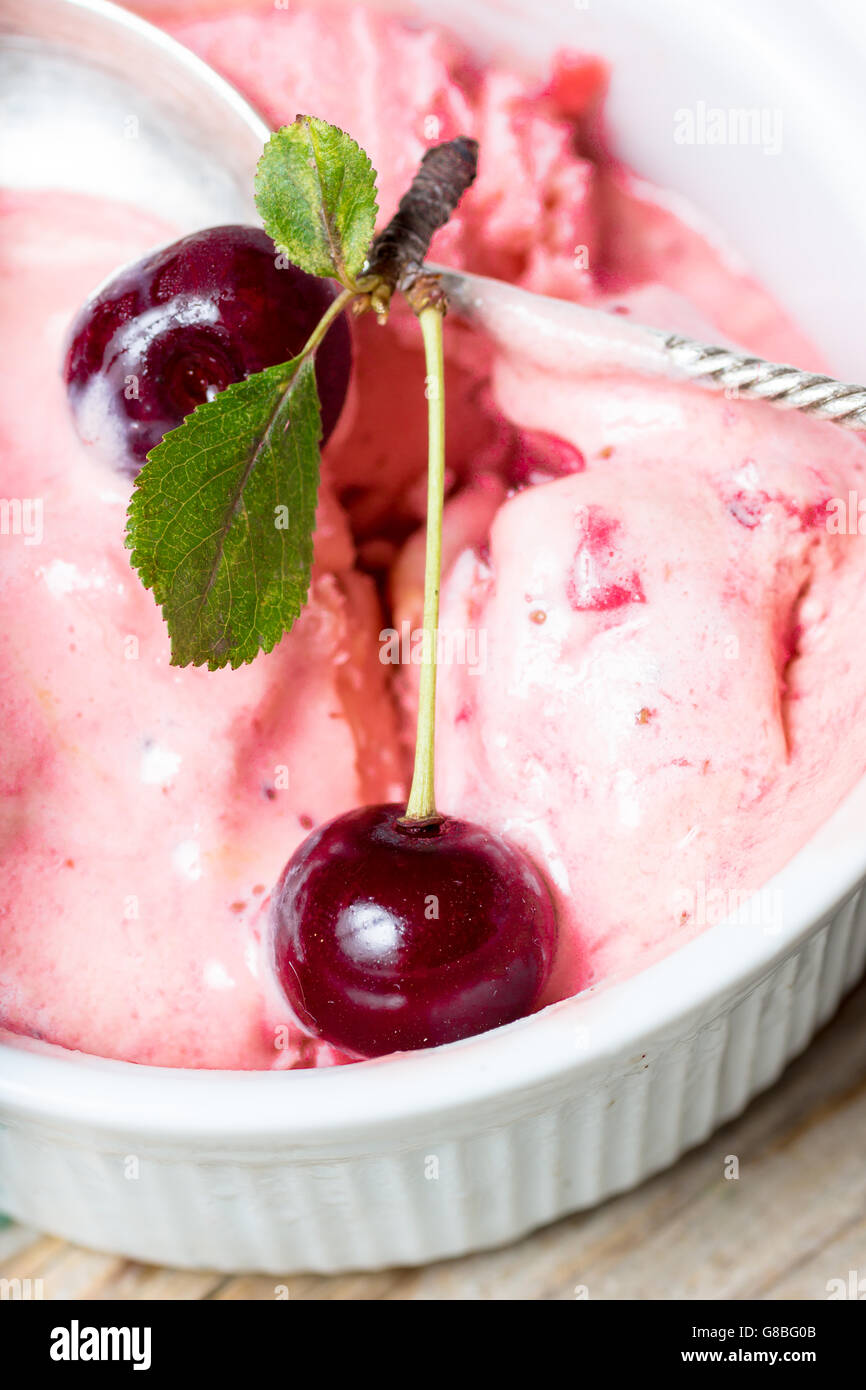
(667, 617)
(147, 811)
(669, 662)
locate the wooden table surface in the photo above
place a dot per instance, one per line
(794, 1219)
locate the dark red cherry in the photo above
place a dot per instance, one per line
(173, 329)
(389, 937)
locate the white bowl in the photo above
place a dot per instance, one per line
(434, 1153)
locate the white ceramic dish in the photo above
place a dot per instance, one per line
(410, 1159)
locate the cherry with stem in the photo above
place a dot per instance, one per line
(401, 928)
(394, 927)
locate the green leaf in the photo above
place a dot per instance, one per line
(221, 520)
(316, 193)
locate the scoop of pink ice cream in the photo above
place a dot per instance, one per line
(664, 700)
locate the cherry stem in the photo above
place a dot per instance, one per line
(333, 311)
(421, 805)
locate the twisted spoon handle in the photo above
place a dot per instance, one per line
(553, 331)
(786, 387)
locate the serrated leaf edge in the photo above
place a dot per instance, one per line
(266, 644)
(340, 270)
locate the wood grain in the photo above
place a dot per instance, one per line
(793, 1219)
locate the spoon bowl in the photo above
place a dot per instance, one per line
(95, 100)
